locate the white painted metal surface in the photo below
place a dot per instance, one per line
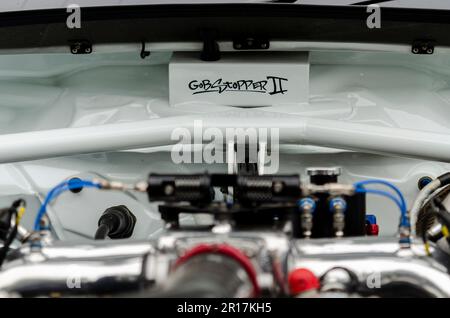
(388, 103)
(57, 104)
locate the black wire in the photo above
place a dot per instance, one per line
(102, 231)
(8, 242)
(13, 211)
(441, 212)
(437, 203)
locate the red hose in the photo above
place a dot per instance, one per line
(228, 251)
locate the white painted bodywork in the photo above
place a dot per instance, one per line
(386, 111)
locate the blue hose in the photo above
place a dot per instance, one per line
(56, 191)
(400, 201)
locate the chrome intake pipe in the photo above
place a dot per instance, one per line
(378, 264)
(110, 267)
(107, 267)
(76, 269)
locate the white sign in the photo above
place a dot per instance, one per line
(240, 79)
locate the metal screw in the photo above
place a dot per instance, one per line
(169, 189)
(277, 187)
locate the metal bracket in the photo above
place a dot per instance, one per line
(81, 47)
(423, 47)
(251, 44)
(144, 52)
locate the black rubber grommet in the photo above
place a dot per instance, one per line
(423, 182)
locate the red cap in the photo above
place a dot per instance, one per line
(372, 229)
(302, 280)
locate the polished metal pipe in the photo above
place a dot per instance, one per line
(377, 263)
(107, 267)
(76, 269)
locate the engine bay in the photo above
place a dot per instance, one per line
(247, 168)
(261, 222)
